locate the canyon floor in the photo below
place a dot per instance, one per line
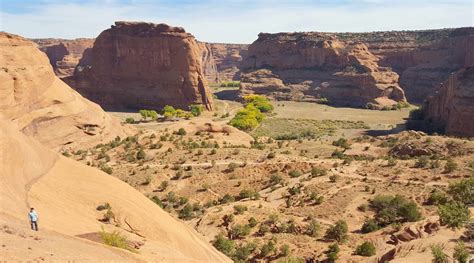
(282, 192)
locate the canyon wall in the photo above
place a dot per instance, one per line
(43, 106)
(312, 66)
(64, 55)
(221, 62)
(423, 59)
(138, 65)
(452, 106)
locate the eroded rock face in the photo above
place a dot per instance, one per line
(452, 107)
(316, 65)
(423, 59)
(44, 107)
(64, 55)
(221, 62)
(138, 65)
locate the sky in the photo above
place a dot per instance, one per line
(231, 21)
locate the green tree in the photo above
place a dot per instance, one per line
(454, 214)
(247, 119)
(260, 102)
(463, 191)
(366, 249)
(168, 112)
(196, 109)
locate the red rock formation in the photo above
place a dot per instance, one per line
(423, 59)
(64, 55)
(452, 107)
(221, 62)
(138, 65)
(315, 65)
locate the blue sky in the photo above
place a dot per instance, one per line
(231, 21)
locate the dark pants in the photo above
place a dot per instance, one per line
(34, 225)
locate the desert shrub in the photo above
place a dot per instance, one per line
(247, 118)
(140, 155)
(271, 155)
(115, 239)
(267, 249)
(196, 109)
(186, 212)
(450, 166)
(130, 120)
(103, 206)
(252, 222)
(157, 201)
(243, 252)
(290, 259)
(260, 102)
(438, 254)
(230, 84)
(422, 162)
(240, 231)
(437, 197)
(231, 167)
(370, 226)
(454, 214)
(313, 228)
(249, 193)
(240, 209)
(332, 252)
(341, 142)
(105, 168)
(181, 132)
(463, 191)
(316, 171)
(333, 178)
(226, 199)
(295, 173)
(275, 179)
(224, 245)
(338, 231)
(285, 250)
(164, 185)
(461, 254)
(391, 209)
(366, 249)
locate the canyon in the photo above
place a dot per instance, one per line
(41, 116)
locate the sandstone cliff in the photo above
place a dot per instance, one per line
(64, 55)
(452, 107)
(310, 66)
(42, 105)
(423, 59)
(137, 65)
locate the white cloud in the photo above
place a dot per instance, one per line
(239, 21)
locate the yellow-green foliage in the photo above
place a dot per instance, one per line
(230, 84)
(115, 239)
(260, 102)
(247, 118)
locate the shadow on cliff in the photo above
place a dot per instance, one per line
(228, 94)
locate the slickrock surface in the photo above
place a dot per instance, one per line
(42, 105)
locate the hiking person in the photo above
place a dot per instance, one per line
(33, 216)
